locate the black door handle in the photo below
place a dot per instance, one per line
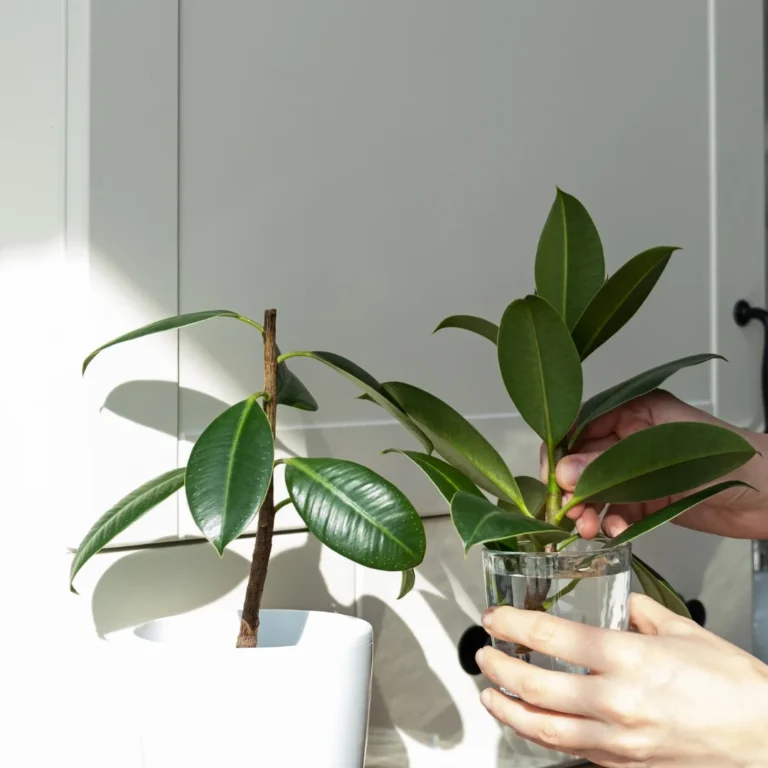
(743, 312)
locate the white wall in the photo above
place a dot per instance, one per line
(330, 155)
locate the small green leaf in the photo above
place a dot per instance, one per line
(291, 391)
(534, 494)
(570, 267)
(478, 521)
(661, 461)
(632, 388)
(447, 479)
(229, 472)
(658, 589)
(673, 510)
(407, 582)
(457, 441)
(540, 367)
(356, 513)
(619, 298)
(471, 323)
(169, 324)
(124, 514)
(370, 386)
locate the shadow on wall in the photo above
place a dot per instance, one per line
(144, 402)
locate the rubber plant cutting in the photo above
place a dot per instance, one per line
(542, 341)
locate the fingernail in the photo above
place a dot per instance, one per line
(486, 618)
(485, 698)
(571, 469)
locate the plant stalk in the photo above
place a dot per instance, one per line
(249, 624)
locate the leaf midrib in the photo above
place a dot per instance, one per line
(588, 346)
(565, 261)
(660, 468)
(320, 480)
(545, 401)
(231, 462)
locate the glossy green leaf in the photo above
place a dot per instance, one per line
(540, 367)
(356, 513)
(478, 521)
(632, 388)
(673, 510)
(370, 386)
(534, 493)
(658, 589)
(291, 391)
(407, 581)
(457, 441)
(124, 514)
(661, 461)
(169, 324)
(477, 325)
(570, 267)
(229, 472)
(619, 298)
(447, 479)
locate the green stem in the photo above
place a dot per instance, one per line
(554, 492)
(283, 503)
(563, 544)
(248, 321)
(547, 604)
(566, 508)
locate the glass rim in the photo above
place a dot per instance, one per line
(565, 554)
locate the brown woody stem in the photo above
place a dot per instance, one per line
(249, 624)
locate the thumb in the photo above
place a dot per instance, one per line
(651, 618)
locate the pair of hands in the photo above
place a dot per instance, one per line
(669, 694)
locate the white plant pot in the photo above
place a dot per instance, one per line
(300, 699)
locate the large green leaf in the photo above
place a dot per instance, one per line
(619, 298)
(457, 441)
(291, 391)
(229, 472)
(356, 513)
(478, 521)
(370, 386)
(661, 461)
(632, 388)
(169, 324)
(540, 367)
(447, 479)
(657, 588)
(124, 514)
(673, 510)
(477, 325)
(570, 267)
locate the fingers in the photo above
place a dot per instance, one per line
(614, 523)
(564, 733)
(650, 618)
(570, 469)
(556, 691)
(597, 649)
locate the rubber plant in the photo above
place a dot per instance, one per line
(542, 341)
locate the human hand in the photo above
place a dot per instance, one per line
(672, 695)
(737, 513)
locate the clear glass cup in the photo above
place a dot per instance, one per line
(588, 582)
